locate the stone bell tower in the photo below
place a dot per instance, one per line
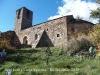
(23, 19)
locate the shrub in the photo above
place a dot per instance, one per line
(1, 69)
(79, 43)
(94, 37)
(5, 44)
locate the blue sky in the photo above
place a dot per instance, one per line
(43, 10)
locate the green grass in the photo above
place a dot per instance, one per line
(33, 62)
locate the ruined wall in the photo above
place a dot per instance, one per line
(55, 29)
(78, 26)
(9, 38)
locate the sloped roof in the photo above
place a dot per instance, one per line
(80, 21)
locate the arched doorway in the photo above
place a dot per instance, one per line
(25, 41)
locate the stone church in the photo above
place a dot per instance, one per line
(50, 33)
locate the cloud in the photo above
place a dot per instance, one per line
(75, 8)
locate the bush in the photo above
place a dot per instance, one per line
(94, 37)
(79, 43)
(5, 44)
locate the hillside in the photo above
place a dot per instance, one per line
(33, 62)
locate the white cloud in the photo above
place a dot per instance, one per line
(76, 7)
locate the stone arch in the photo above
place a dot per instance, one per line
(25, 41)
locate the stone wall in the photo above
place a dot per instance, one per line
(10, 38)
(78, 27)
(55, 29)
(23, 19)
(55, 32)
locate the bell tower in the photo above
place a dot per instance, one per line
(23, 19)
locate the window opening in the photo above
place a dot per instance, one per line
(58, 35)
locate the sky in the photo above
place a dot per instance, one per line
(44, 10)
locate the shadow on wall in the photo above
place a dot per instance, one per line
(14, 40)
(45, 41)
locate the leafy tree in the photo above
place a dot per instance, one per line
(96, 13)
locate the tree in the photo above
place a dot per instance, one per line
(96, 13)
(78, 18)
(98, 1)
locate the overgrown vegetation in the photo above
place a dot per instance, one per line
(96, 13)
(33, 62)
(5, 44)
(82, 42)
(94, 37)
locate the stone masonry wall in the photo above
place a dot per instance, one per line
(23, 19)
(55, 29)
(79, 26)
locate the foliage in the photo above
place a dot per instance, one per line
(80, 43)
(5, 44)
(83, 42)
(27, 61)
(98, 1)
(96, 13)
(94, 37)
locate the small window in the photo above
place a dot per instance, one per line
(58, 35)
(36, 36)
(47, 29)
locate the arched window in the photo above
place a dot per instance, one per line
(25, 41)
(36, 36)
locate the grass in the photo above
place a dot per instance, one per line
(33, 62)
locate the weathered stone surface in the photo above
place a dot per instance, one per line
(55, 30)
(11, 38)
